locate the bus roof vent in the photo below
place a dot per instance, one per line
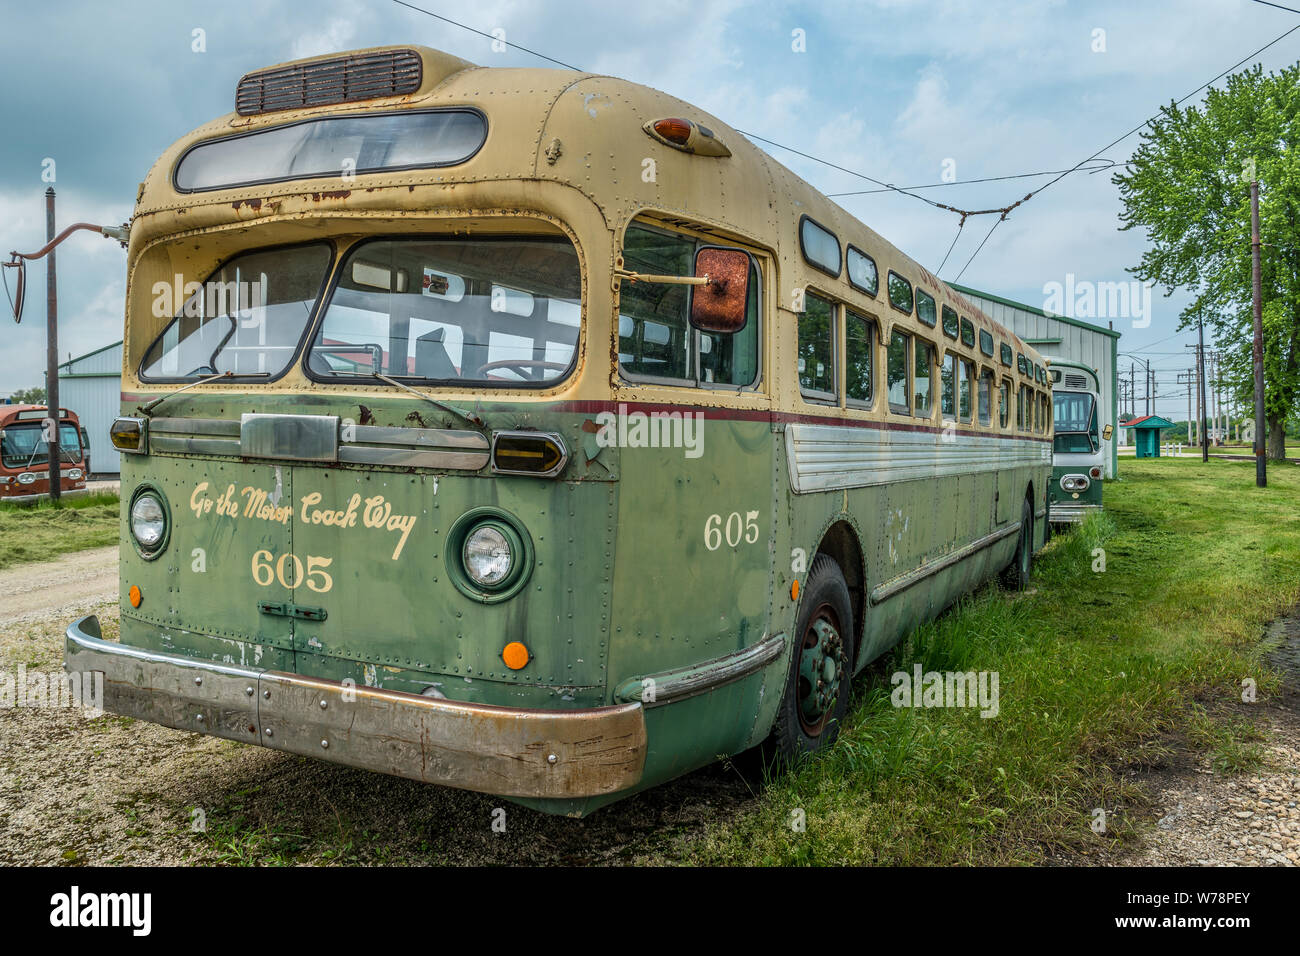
(1075, 380)
(320, 82)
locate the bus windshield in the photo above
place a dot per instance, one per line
(23, 446)
(1075, 422)
(483, 311)
(247, 319)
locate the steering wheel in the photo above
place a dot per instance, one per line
(519, 365)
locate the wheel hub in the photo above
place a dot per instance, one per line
(821, 665)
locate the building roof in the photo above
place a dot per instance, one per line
(1148, 421)
(1100, 330)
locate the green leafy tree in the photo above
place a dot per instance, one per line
(1188, 187)
(29, 396)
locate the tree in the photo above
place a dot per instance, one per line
(1188, 186)
(29, 396)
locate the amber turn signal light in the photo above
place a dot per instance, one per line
(794, 590)
(128, 434)
(134, 596)
(515, 655)
(528, 453)
(674, 130)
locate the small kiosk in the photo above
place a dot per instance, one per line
(1146, 434)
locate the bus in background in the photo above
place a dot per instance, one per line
(473, 453)
(24, 454)
(1078, 445)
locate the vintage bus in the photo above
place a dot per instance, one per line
(1078, 444)
(534, 433)
(25, 451)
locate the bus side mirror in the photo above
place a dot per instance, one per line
(1106, 433)
(719, 305)
(20, 266)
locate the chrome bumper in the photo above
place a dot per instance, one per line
(1063, 513)
(499, 750)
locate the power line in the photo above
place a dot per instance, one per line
(1110, 164)
(463, 26)
(1278, 5)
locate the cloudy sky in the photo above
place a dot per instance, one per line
(900, 90)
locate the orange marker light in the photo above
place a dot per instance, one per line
(674, 130)
(794, 590)
(134, 596)
(515, 655)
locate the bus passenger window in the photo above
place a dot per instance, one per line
(896, 372)
(860, 341)
(923, 403)
(733, 359)
(948, 386)
(817, 349)
(986, 397)
(1004, 402)
(654, 334)
(964, 389)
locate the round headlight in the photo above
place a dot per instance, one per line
(148, 521)
(26, 478)
(488, 557)
(75, 474)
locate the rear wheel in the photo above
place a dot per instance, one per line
(816, 694)
(1016, 575)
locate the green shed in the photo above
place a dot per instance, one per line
(1146, 434)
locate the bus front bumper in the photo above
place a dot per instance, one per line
(505, 751)
(1069, 512)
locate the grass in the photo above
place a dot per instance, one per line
(42, 531)
(1097, 671)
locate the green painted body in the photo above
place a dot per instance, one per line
(624, 585)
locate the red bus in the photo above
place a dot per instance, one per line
(24, 453)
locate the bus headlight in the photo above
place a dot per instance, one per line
(1074, 483)
(488, 556)
(148, 522)
(75, 474)
(27, 478)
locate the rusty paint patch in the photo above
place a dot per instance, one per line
(367, 416)
(254, 204)
(333, 194)
(418, 418)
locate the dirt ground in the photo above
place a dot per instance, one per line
(108, 790)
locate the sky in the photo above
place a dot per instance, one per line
(908, 92)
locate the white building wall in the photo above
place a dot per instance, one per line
(91, 386)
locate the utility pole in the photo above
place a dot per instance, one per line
(1200, 388)
(1257, 350)
(1186, 378)
(52, 353)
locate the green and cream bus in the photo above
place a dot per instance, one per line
(1078, 443)
(534, 433)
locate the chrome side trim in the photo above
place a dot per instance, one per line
(667, 687)
(216, 427)
(500, 750)
(418, 437)
(833, 457)
(187, 445)
(413, 458)
(907, 579)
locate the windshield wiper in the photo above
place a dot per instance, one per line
(468, 416)
(147, 410)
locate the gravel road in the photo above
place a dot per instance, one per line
(81, 791)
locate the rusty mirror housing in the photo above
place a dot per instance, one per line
(16, 301)
(1106, 433)
(720, 304)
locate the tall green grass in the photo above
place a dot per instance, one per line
(42, 531)
(1096, 669)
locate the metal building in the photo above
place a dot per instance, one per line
(1070, 340)
(91, 386)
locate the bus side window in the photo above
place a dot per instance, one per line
(948, 387)
(733, 359)
(817, 349)
(965, 387)
(986, 397)
(1004, 402)
(859, 360)
(896, 372)
(923, 403)
(1020, 408)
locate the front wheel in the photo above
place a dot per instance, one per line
(1016, 575)
(816, 695)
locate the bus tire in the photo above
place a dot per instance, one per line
(810, 714)
(1016, 575)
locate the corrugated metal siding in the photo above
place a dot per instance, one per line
(96, 400)
(1077, 344)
